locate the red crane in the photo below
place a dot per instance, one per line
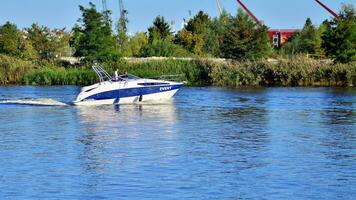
(248, 11)
(278, 36)
(328, 9)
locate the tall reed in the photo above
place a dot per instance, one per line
(12, 69)
(292, 71)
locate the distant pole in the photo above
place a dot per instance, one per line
(121, 4)
(173, 25)
(219, 6)
(105, 7)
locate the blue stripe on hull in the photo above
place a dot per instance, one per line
(132, 92)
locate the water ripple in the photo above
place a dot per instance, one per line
(209, 143)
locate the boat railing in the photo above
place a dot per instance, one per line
(102, 74)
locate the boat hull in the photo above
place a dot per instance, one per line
(131, 95)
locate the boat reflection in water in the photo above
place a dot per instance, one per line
(113, 118)
(135, 134)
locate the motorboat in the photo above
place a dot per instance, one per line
(125, 89)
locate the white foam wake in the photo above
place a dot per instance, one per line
(36, 102)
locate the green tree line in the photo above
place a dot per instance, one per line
(235, 37)
(32, 55)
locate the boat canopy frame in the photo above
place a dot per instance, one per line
(102, 74)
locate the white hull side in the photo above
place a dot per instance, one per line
(94, 102)
(130, 100)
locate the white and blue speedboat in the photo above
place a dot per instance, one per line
(125, 89)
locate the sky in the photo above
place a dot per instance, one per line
(276, 14)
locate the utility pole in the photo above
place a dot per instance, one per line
(122, 10)
(173, 25)
(105, 7)
(122, 24)
(105, 11)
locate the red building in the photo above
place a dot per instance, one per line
(279, 36)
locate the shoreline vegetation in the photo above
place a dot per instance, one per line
(290, 71)
(227, 50)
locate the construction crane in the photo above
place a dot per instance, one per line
(248, 11)
(219, 6)
(328, 9)
(278, 36)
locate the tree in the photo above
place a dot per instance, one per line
(185, 39)
(14, 42)
(9, 39)
(122, 28)
(339, 39)
(191, 42)
(308, 37)
(245, 39)
(59, 39)
(198, 24)
(48, 43)
(76, 36)
(39, 37)
(28, 52)
(137, 43)
(159, 30)
(164, 48)
(192, 37)
(308, 40)
(214, 34)
(95, 39)
(160, 41)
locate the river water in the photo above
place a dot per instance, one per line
(207, 143)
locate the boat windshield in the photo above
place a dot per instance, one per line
(104, 76)
(128, 77)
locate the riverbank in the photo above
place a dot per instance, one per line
(292, 71)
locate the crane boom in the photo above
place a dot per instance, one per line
(328, 9)
(248, 11)
(219, 6)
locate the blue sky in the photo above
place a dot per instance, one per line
(64, 13)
